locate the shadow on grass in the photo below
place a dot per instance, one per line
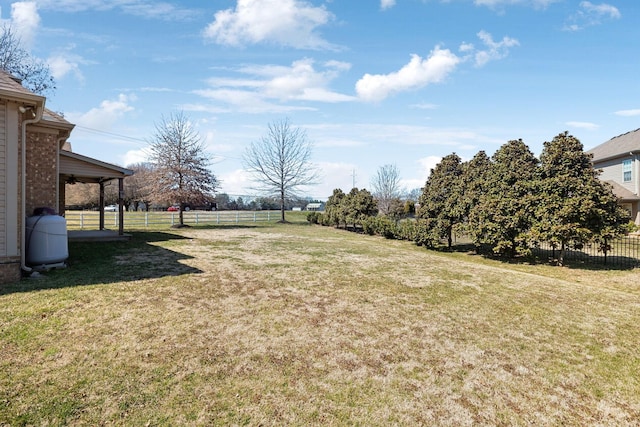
(92, 263)
(228, 226)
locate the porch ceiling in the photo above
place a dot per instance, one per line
(78, 168)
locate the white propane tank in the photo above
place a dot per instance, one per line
(46, 241)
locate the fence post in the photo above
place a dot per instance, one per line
(81, 220)
(237, 217)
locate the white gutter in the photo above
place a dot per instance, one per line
(39, 110)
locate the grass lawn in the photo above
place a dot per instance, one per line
(304, 325)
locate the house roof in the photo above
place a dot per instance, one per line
(622, 193)
(11, 88)
(85, 169)
(618, 146)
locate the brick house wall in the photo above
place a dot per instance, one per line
(41, 187)
(42, 169)
(10, 270)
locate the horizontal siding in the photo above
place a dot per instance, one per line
(612, 171)
(3, 180)
(79, 168)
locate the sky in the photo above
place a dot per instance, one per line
(371, 82)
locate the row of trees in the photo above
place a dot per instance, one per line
(506, 203)
(512, 200)
(178, 171)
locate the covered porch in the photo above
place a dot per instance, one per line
(75, 168)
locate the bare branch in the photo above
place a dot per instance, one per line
(15, 60)
(386, 187)
(280, 162)
(181, 168)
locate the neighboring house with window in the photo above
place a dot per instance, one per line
(34, 169)
(619, 160)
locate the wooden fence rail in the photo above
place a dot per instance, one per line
(90, 220)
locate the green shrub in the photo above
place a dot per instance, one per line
(406, 230)
(314, 217)
(381, 226)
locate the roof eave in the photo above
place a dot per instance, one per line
(26, 98)
(615, 156)
(124, 171)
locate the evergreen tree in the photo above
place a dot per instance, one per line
(503, 214)
(440, 202)
(475, 181)
(573, 205)
(359, 205)
(333, 209)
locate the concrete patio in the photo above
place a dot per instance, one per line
(96, 236)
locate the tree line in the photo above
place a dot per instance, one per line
(505, 204)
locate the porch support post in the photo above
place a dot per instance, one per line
(120, 206)
(101, 205)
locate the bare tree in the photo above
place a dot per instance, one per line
(386, 187)
(180, 166)
(14, 59)
(280, 162)
(137, 190)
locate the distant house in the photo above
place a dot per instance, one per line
(315, 206)
(34, 169)
(619, 160)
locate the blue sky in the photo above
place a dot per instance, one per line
(372, 82)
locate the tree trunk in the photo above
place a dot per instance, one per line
(561, 256)
(282, 205)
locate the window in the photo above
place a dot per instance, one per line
(626, 170)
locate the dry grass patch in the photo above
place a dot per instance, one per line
(303, 325)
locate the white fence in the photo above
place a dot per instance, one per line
(90, 220)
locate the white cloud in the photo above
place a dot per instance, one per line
(235, 182)
(271, 87)
(416, 74)
(628, 113)
(425, 166)
(64, 63)
(583, 125)
(495, 50)
(302, 82)
(424, 106)
(494, 4)
(387, 4)
(420, 72)
(25, 21)
(591, 14)
(335, 175)
(241, 101)
(144, 8)
(603, 9)
(105, 115)
(135, 156)
(292, 23)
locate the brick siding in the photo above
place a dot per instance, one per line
(10, 270)
(42, 170)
